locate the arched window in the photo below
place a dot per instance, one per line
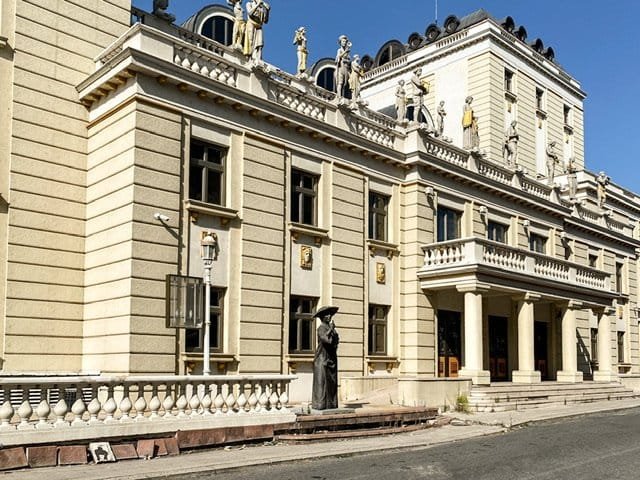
(326, 78)
(389, 52)
(218, 28)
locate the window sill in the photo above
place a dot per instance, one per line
(389, 361)
(196, 208)
(197, 357)
(319, 234)
(541, 113)
(510, 96)
(378, 245)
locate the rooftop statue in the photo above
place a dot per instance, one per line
(420, 89)
(239, 24)
(401, 103)
(355, 78)
(343, 65)
(470, 137)
(300, 39)
(325, 363)
(552, 161)
(602, 180)
(160, 10)
(572, 179)
(510, 149)
(257, 17)
(441, 114)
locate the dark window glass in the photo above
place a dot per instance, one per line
(620, 347)
(537, 243)
(619, 277)
(218, 28)
(448, 224)
(378, 329)
(594, 344)
(497, 232)
(304, 187)
(508, 81)
(567, 115)
(326, 79)
(593, 261)
(206, 173)
(194, 337)
(539, 99)
(378, 206)
(301, 325)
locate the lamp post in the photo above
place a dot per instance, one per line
(208, 252)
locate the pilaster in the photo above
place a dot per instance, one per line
(473, 334)
(526, 372)
(569, 372)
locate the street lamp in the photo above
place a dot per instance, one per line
(209, 244)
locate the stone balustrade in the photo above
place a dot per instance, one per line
(58, 403)
(444, 257)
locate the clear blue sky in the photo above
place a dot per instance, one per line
(594, 41)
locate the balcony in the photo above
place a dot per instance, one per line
(511, 270)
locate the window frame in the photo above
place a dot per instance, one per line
(205, 165)
(509, 81)
(377, 213)
(540, 99)
(619, 277)
(299, 192)
(216, 315)
(297, 317)
(533, 236)
(620, 339)
(228, 29)
(442, 234)
(374, 324)
(505, 232)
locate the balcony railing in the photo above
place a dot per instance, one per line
(445, 257)
(52, 403)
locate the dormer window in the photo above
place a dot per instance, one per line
(218, 28)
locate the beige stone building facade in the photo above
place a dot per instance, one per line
(125, 138)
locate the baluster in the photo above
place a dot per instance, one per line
(94, 406)
(206, 401)
(154, 403)
(78, 408)
(6, 412)
(169, 401)
(230, 400)
(60, 411)
(253, 398)
(284, 397)
(242, 399)
(125, 404)
(273, 399)
(110, 406)
(25, 411)
(42, 411)
(181, 402)
(194, 403)
(218, 399)
(263, 399)
(140, 404)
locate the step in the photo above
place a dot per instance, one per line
(542, 393)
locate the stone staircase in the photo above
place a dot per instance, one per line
(500, 397)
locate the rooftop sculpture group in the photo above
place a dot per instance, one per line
(247, 33)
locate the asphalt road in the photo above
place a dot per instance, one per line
(594, 447)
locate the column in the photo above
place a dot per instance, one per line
(605, 371)
(473, 340)
(526, 372)
(569, 372)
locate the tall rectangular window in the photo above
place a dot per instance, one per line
(537, 243)
(448, 224)
(566, 115)
(508, 81)
(497, 232)
(378, 329)
(378, 206)
(619, 277)
(304, 193)
(206, 173)
(593, 260)
(620, 347)
(301, 325)
(594, 344)
(194, 338)
(540, 99)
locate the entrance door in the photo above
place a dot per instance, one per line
(540, 332)
(449, 345)
(498, 348)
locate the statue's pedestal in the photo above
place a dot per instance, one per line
(333, 411)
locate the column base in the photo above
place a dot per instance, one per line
(522, 376)
(478, 377)
(569, 377)
(602, 376)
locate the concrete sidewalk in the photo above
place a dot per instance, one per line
(472, 425)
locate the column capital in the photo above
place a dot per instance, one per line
(603, 310)
(475, 287)
(571, 305)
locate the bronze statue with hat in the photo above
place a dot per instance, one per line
(325, 363)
